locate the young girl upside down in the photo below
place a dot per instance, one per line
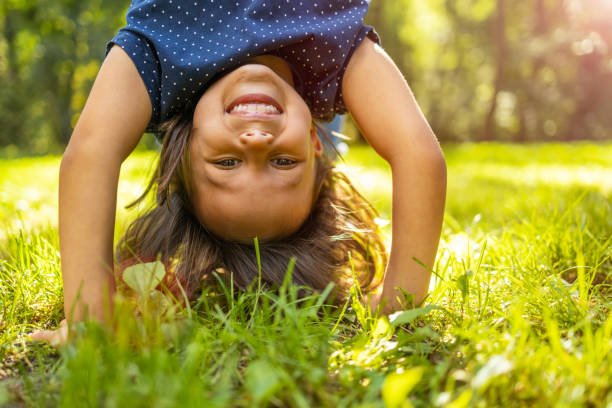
(233, 89)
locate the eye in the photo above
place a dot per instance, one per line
(227, 163)
(283, 162)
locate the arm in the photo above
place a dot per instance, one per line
(115, 115)
(382, 104)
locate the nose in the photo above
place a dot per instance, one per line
(256, 138)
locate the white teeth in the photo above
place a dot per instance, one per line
(255, 107)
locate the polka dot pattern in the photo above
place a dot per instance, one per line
(180, 47)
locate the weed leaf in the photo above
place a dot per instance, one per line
(408, 316)
(144, 277)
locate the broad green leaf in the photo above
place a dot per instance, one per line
(173, 329)
(262, 380)
(144, 277)
(408, 316)
(396, 387)
(158, 302)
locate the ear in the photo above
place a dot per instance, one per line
(316, 142)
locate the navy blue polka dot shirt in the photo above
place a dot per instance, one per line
(180, 47)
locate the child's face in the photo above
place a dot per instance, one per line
(252, 174)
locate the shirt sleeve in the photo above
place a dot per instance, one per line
(326, 33)
(144, 58)
(364, 31)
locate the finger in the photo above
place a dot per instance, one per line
(62, 334)
(53, 337)
(41, 335)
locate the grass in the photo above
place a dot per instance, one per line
(518, 313)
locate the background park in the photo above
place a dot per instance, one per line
(520, 96)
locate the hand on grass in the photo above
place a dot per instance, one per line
(55, 338)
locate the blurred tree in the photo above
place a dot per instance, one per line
(480, 69)
(500, 66)
(489, 69)
(16, 87)
(52, 52)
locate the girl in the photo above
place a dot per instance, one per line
(233, 88)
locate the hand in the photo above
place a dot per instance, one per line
(55, 338)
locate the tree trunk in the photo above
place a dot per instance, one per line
(522, 135)
(12, 100)
(9, 37)
(489, 130)
(540, 29)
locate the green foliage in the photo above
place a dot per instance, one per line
(408, 316)
(518, 312)
(501, 70)
(540, 70)
(50, 53)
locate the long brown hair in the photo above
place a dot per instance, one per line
(339, 231)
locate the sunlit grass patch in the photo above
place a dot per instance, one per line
(518, 312)
(28, 193)
(593, 176)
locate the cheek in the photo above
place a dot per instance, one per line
(300, 124)
(200, 201)
(206, 207)
(207, 116)
(297, 107)
(303, 112)
(210, 103)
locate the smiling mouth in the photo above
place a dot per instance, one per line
(254, 104)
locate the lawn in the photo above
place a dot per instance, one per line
(518, 312)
